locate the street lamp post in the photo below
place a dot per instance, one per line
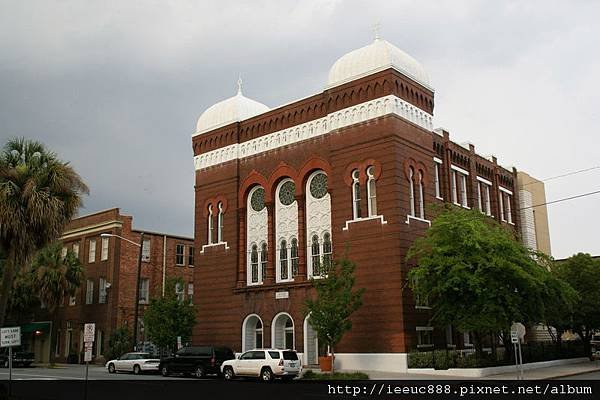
(137, 286)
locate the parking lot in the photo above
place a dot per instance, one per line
(75, 372)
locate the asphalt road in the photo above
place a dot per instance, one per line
(586, 376)
(78, 372)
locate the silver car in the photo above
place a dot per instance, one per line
(134, 362)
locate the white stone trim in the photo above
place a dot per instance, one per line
(91, 229)
(362, 112)
(505, 190)
(385, 362)
(459, 169)
(438, 160)
(383, 221)
(409, 217)
(214, 245)
(480, 179)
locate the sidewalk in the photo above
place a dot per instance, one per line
(534, 374)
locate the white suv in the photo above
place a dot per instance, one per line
(264, 363)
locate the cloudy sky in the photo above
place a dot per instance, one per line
(116, 87)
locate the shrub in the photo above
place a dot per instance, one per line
(119, 343)
(336, 376)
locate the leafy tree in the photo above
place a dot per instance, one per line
(582, 273)
(168, 317)
(119, 343)
(476, 276)
(336, 300)
(23, 295)
(54, 278)
(39, 194)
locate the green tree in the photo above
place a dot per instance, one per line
(582, 273)
(476, 276)
(168, 317)
(54, 278)
(119, 343)
(335, 302)
(39, 194)
(22, 296)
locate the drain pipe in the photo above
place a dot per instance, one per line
(164, 264)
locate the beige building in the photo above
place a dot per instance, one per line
(533, 212)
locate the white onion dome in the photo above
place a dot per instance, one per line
(376, 57)
(233, 109)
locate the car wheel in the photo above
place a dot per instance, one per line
(111, 368)
(164, 370)
(199, 372)
(136, 369)
(228, 373)
(266, 374)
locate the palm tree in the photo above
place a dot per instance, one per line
(39, 194)
(54, 278)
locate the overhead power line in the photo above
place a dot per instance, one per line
(561, 200)
(562, 176)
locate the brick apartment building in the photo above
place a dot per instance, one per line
(106, 296)
(279, 191)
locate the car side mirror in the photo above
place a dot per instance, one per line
(239, 357)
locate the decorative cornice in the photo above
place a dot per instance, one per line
(366, 111)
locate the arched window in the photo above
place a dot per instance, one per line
(220, 223)
(283, 260)
(371, 191)
(254, 263)
(263, 260)
(294, 256)
(289, 334)
(210, 224)
(355, 195)
(421, 200)
(258, 334)
(411, 183)
(326, 252)
(316, 256)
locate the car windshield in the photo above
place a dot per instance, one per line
(290, 355)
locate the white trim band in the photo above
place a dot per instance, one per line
(339, 119)
(505, 190)
(459, 169)
(480, 179)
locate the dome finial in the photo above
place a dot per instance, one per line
(239, 83)
(376, 30)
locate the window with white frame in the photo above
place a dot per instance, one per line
(459, 186)
(501, 205)
(454, 188)
(210, 225)
(438, 175)
(483, 196)
(91, 250)
(355, 194)
(421, 198)
(179, 254)
(509, 208)
(286, 228)
(318, 217)
(89, 292)
(104, 249)
(190, 256)
(144, 291)
(294, 256)
(424, 336)
(463, 191)
(505, 205)
(76, 249)
(264, 253)
(256, 235)
(63, 253)
(190, 292)
(327, 250)
(411, 191)
(72, 300)
(179, 291)
(146, 250)
(102, 291)
(220, 222)
(371, 191)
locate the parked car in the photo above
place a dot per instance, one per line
(20, 358)
(134, 362)
(197, 360)
(264, 363)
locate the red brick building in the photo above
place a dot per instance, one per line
(278, 191)
(107, 294)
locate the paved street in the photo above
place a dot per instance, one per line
(77, 372)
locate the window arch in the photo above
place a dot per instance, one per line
(327, 249)
(318, 220)
(371, 191)
(411, 184)
(355, 194)
(252, 333)
(286, 228)
(282, 332)
(294, 256)
(256, 235)
(421, 198)
(220, 222)
(210, 225)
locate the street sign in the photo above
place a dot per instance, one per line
(10, 336)
(89, 332)
(519, 328)
(87, 357)
(88, 345)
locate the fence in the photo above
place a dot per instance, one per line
(532, 352)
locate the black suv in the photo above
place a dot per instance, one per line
(196, 360)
